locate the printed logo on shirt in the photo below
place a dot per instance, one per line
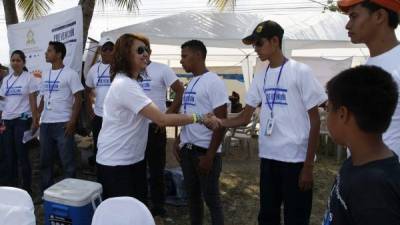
(104, 82)
(17, 90)
(279, 93)
(51, 85)
(189, 98)
(145, 84)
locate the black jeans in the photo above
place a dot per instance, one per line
(155, 159)
(120, 181)
(96, 127)
(199, 186)
(16, 154)
(279, 183)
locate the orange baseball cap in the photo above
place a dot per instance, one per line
(393, 5)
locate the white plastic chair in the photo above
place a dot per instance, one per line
(122, 211)
(16, 207)
(243, 134)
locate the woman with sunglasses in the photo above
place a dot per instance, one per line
(18, 91)
(121, 168)
(97, 84)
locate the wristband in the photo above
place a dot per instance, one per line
(194, 118)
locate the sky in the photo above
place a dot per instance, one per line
(111, 17)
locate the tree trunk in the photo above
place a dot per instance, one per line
(87, 12)
(10, 12)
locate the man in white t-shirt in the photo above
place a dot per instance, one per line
(155, 80)
(289, 128)
(59, 106)
(97, 84)
(200, 148)
(373, 23)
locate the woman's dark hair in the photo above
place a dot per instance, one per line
(21, 54)
(121, 60)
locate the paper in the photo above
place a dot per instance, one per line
(29, 136)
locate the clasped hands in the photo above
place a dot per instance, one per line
(212, 122)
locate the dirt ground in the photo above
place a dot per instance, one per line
(239, 186)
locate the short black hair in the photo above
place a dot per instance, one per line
(196, 45)
(369, 93)
(59, 47)
(393, 17)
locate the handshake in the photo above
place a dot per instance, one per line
(211, 121)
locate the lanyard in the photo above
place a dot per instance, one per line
(190, 92)
(52, 87)
(271, 106)
(9, 87)
(102, 74)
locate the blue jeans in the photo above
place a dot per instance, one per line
(53, 140)
(16, 154)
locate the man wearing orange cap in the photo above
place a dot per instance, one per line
(373, 22)
(366, 190)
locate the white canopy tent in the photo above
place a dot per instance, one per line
(225, 30)
(222, 34)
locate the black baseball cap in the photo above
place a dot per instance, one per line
(266, 29)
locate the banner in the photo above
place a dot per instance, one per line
(32, 37)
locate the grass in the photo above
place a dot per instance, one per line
(239, 189)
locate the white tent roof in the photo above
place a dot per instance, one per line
(302, 31)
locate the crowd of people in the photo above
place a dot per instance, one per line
(125, 97)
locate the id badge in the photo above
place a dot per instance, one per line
(48, 105)
(270, 126)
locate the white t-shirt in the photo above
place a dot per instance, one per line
(123, 135)
(99, 78)
(62, 91)
(389, 61)
(16, 90)
(203, 94)
(297, 92)
(155, 82)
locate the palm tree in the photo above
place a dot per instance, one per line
(31, 8)
(35, 8)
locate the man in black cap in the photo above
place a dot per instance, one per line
(289, 128)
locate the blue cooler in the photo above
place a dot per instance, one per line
(71, 201)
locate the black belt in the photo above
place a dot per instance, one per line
(153, 125)
(195, 148)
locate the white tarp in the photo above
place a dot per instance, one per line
(222, 34)
(323, 69)
(32, 37)
(303, 30)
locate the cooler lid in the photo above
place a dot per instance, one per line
(72, 192)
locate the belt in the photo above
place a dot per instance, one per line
(195, 148)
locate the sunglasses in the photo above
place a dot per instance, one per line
(107, 48)
(140, 50)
